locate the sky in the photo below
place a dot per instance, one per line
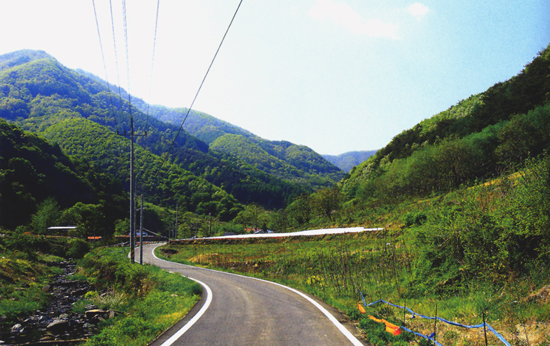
(334, 75)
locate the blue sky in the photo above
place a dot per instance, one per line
(335, 75)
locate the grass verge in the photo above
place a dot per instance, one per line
(149, 300)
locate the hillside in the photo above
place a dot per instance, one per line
(347, 161)
(201, 125)
(475, 139)
(271, 159)
(307, 167)
(33, 170)
(160, 184)
(37, 92)
(317, 171)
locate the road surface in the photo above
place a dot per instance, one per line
(246, 311)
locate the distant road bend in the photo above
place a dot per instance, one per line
(238, 310)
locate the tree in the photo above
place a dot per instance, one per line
(87, 217)
(327, 201)
(301, 210)
(253, 215)
(47, 215)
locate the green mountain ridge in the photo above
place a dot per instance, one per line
(347, 161)
(37, 92)
(475, 139)
(162, 184)
(208, 128)
(32, 170)
(270, 158)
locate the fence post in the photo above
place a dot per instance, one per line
(484, 328)
(435, 323)
(404, 307)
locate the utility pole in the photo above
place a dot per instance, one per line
(141, 232)
(132, 192)
(132, 187)
(176, 226)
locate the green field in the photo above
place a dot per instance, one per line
(444, 255)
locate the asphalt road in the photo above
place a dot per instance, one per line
(246, 311)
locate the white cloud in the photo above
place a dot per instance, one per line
(341, 13)
(417, 10)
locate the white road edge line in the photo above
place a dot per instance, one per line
(195, 318)
(333, 319)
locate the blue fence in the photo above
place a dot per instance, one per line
(430, 337)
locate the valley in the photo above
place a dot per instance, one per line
(461, 201)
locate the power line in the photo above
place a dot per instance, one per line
(116, 60)
(200, 87)
(104, 64)
(127, 57)
(152, 64)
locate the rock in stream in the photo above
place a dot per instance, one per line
(57, 324)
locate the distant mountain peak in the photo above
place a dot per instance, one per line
(21, 57)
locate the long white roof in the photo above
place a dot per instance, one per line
(302, 233)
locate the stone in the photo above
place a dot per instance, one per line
(95, 312)
(17, 328)
(58, 326)
(90, 307)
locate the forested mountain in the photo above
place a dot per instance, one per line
(201, 125)
(476, 139)
(347, 161)
(306, 165)
(38, 92)
(31, 170)
(162, 184)
(274, 158)
(318, 172)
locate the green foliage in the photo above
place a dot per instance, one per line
(78, 248)
(284, 160)
(37, 176)
(47, 215)
(88, 218)
(37, 92)
(22, 281)
(414, 218)
(164, 298)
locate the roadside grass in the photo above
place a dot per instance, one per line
(22, 281)
(148, 299)
(413, 263)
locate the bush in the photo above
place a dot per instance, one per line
(78, 248)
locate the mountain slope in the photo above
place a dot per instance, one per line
(350, 159)
(161, 184)
(479, 138)
(273, 159)
(309, 165)
(37, 92)
(32, 170)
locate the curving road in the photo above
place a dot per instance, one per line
(237, 310)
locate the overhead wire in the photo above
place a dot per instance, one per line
(200, 87)
(104, 64)
(127, 60)
(116, 60)
(152, 64)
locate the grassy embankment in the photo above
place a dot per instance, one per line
(22, 280)
(454, 255)
(148, 299)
